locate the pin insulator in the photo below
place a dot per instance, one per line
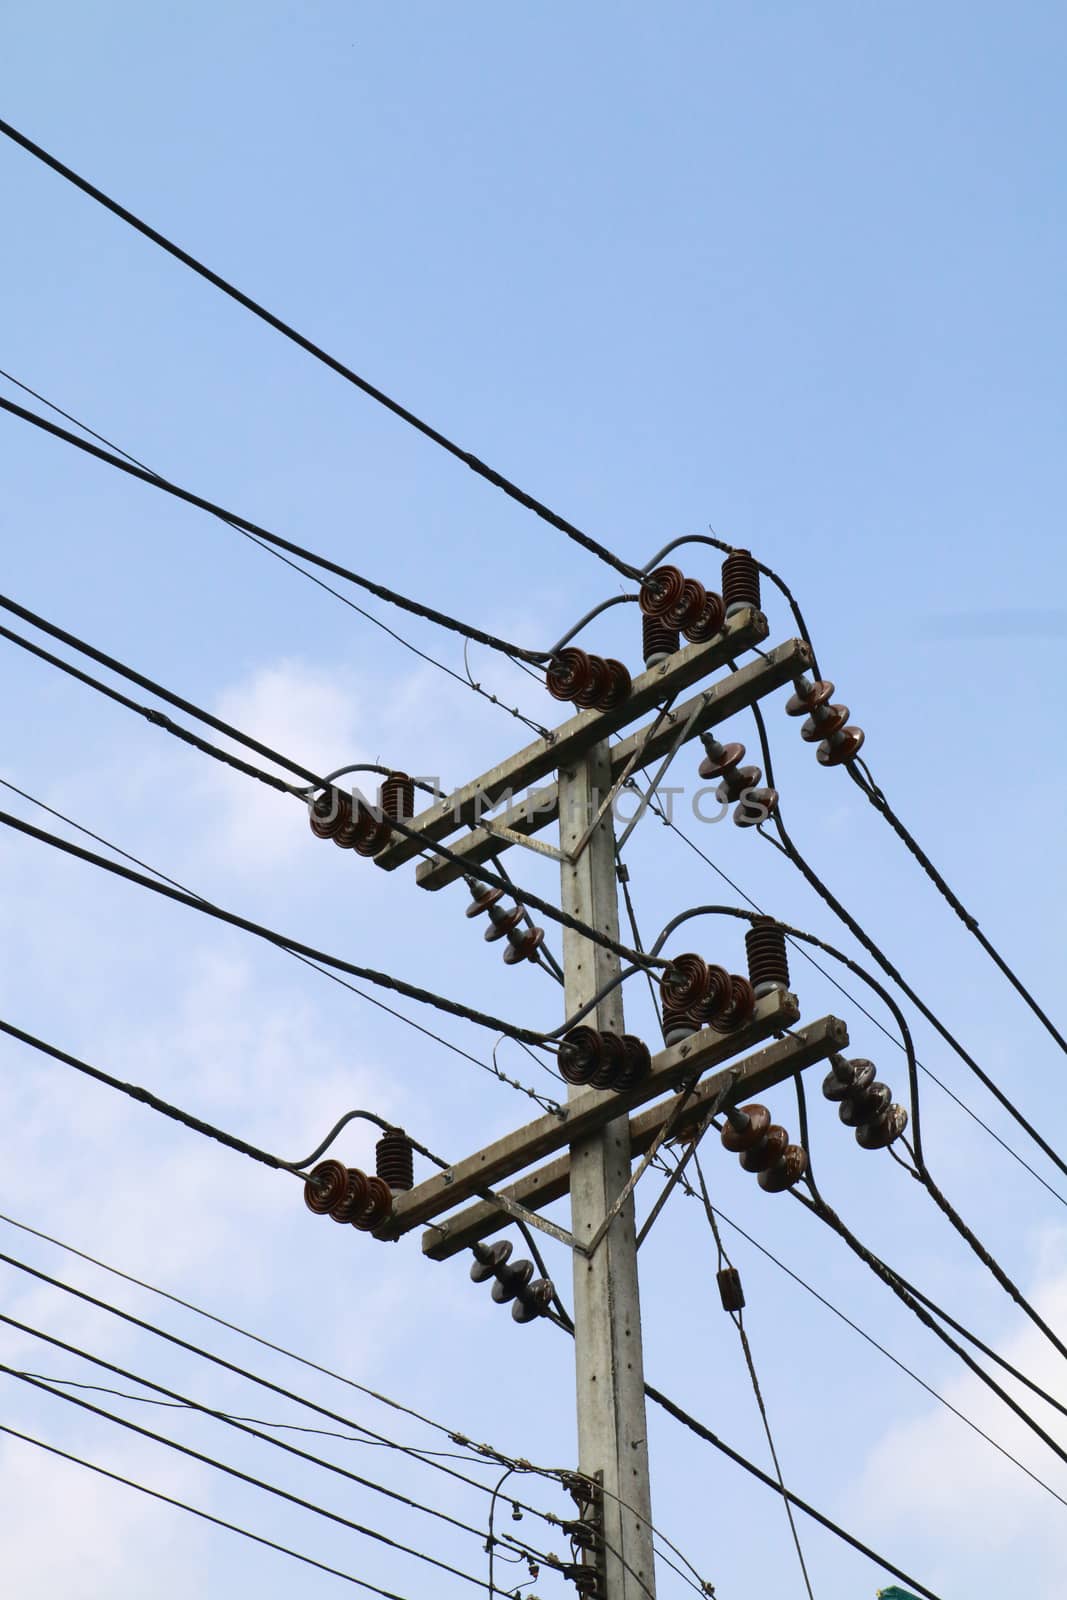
(658, 641)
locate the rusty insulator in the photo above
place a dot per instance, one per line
(689, 606)
(720, 759)
(378, 1207)
(863, 1103)
(763, 1147)
(660, 591)
(329, 813)
(326, 1185)
(755, 806)
(741, 1005)
(679, 1022)
(768, 962)
(842, 746)
(685, 982)
(354, 1199)
(740, 582)
(579, 1054)
(484, 897)
(567, 673)
(394, 1159)
(709, 622)
(730, 1291)
(523, 945)
(501, 922)
(396, 797)
(636, 1064)
(658, 641)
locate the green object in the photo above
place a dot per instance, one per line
(894, 1593)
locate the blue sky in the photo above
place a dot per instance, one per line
(793, 273)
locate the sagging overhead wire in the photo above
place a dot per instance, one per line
(495, 478)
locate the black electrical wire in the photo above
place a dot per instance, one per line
(184, 1402)
(205, 1516)
(243, 1477)
(368, 616)
(510, 489)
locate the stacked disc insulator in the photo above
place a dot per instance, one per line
(394, 1160)
(593, 683)
(864, 1104)
(825, 725)
(513, 1281)
(679, 605)
(505, 923)
(740, 582)
(763, 1147)
(603, 1060)
(351, 826)
(346, 1194)
(694, 991)
(738, 785)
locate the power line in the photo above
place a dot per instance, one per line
(205, 1516)
(510, 489)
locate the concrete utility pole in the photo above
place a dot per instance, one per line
(612, 1430)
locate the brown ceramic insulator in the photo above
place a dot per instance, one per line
(612, 1061)
(759, 1157)
(709, 622)
(847, 1077)
(567, 673)
(636, 1064)
(718, 996)
(735, 783)
(483, 899)
(533, 1302)
(843, 746)
(660, 591)
(501, 922)
(489, 1258)
(865, 1105)
(730, 1291)
(579, 1054)
(618, 687)
(721, 759)
(742, 1004)
(808, 697)
(678, 1023)
(329, 814)
(524, 945)
(511, 1280)
(738, 1139)
(658, 641)
(379, 1206)
(375, 835)
(354, 1199)
(756, 806)
(685, 982)
(823, 723)
(396, 797)
(786, 1172)
(688, 606)
(740, 581)
(768, 961)
(889, 1126)
(394, 1159)
(325, 1186)
(592, 692)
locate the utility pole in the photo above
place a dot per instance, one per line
(609, 1369)
(593, 1139)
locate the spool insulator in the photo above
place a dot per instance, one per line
(658, 641)
(761, 1156)
(660, 591)
(685, 982)
(740, 582)
(689, 606)
(354, 1199)
(709, 622)
(567, 673)
(845, 745)
(808, 697)
(730, 1291)
(756, 1121)
(721, 759)
(325, 1186)
(678, 1023)
(484, 897)
(394, 1159)
(741, 1006)
(510, 1280)
(878, 1135)
(396, 797)
(379, 1206)
(768, 962)
(824, 723)
(488, 1259)
(619, 685)
(329, 813)
(501, 922)
(718, 996)
(534, 1300)
(787, 1171)
(579, 1054)
(755, 807)
(636, 1064)
(524, 945)
(593, 690)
